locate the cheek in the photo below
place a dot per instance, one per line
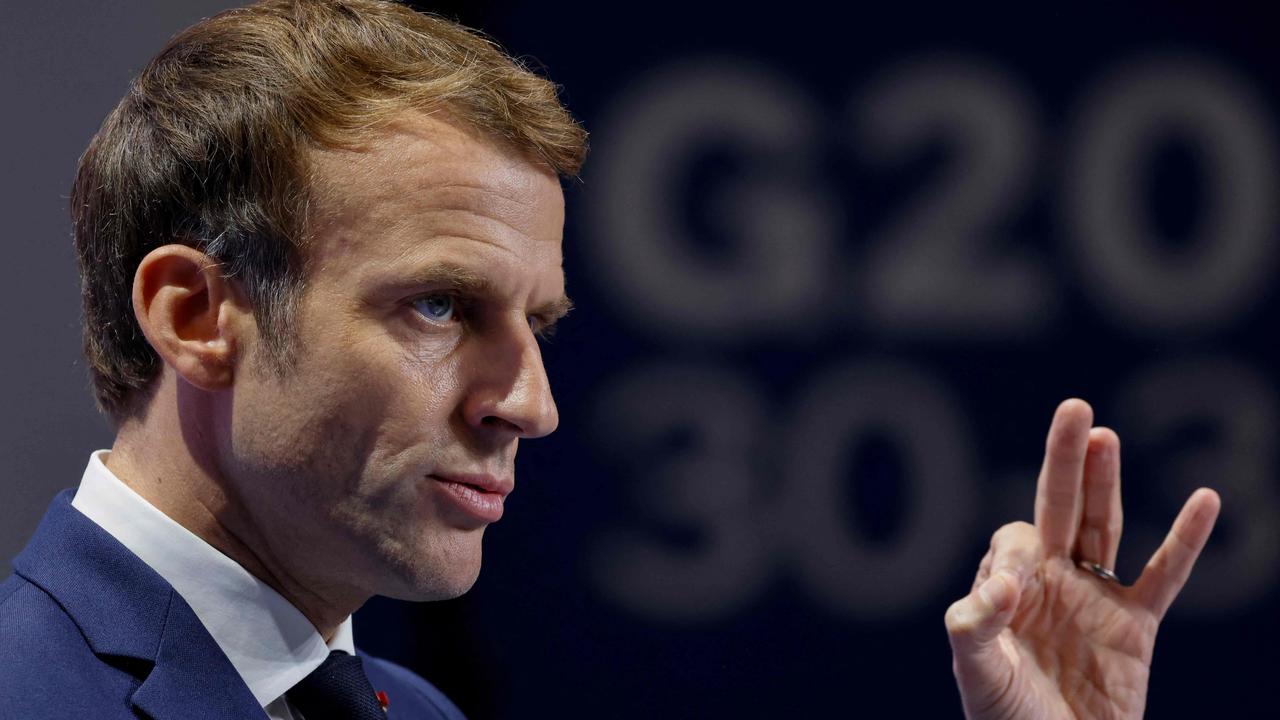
(298, 436)
(364, 400)
(430, 380)
(398, 401)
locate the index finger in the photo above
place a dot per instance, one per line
(1058, 493)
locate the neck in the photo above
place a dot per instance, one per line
(182, 480)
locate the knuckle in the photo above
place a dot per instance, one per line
(1022, 526)
(955, 619)
(1014, 537)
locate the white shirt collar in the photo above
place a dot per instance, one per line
(269, 642)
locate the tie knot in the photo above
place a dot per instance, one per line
(337, 690)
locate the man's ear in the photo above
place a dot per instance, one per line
(191, 314)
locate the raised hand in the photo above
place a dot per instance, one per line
(1041, 635)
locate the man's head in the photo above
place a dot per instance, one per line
(212, 148)
(332, 230)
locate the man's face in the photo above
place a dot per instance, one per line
(375, 464)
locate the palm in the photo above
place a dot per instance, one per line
(1078, 649)
(1039, 637)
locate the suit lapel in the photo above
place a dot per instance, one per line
(192, 678)
(125, 609)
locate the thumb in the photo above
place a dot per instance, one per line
(974, 624)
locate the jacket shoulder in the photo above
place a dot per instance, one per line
(410, 695)
(31, 622)
(47, 668)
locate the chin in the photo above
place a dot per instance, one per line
(433, 589)
(442, 578)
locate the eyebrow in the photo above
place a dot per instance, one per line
(554, 310)
(466, 281)
(452, 277)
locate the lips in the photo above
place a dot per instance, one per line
(477, 496)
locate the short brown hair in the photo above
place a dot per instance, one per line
(209, 148)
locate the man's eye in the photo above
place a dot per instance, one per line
(438, 308)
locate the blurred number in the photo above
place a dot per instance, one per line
(697, 439)
(769, 272)
(1137, 281)
(935, 268)
(687, 436)
(1214, 423)
(836, 413)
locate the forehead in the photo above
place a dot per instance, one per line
(426, 188)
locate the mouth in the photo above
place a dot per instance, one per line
(479, 497)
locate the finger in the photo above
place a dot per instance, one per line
(1103, 517)
(1015, 551)
(1058, 501)
(974, 624)
(984, 571)
(1170, 566)
(1011, 561)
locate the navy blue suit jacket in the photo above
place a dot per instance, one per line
(87, 630)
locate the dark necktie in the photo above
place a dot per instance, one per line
(337, 690)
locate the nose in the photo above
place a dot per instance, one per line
(510, 394)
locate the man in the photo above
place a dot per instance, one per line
(318, 240)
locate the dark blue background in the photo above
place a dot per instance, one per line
(538, 637)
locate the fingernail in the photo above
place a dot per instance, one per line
(995, 591)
